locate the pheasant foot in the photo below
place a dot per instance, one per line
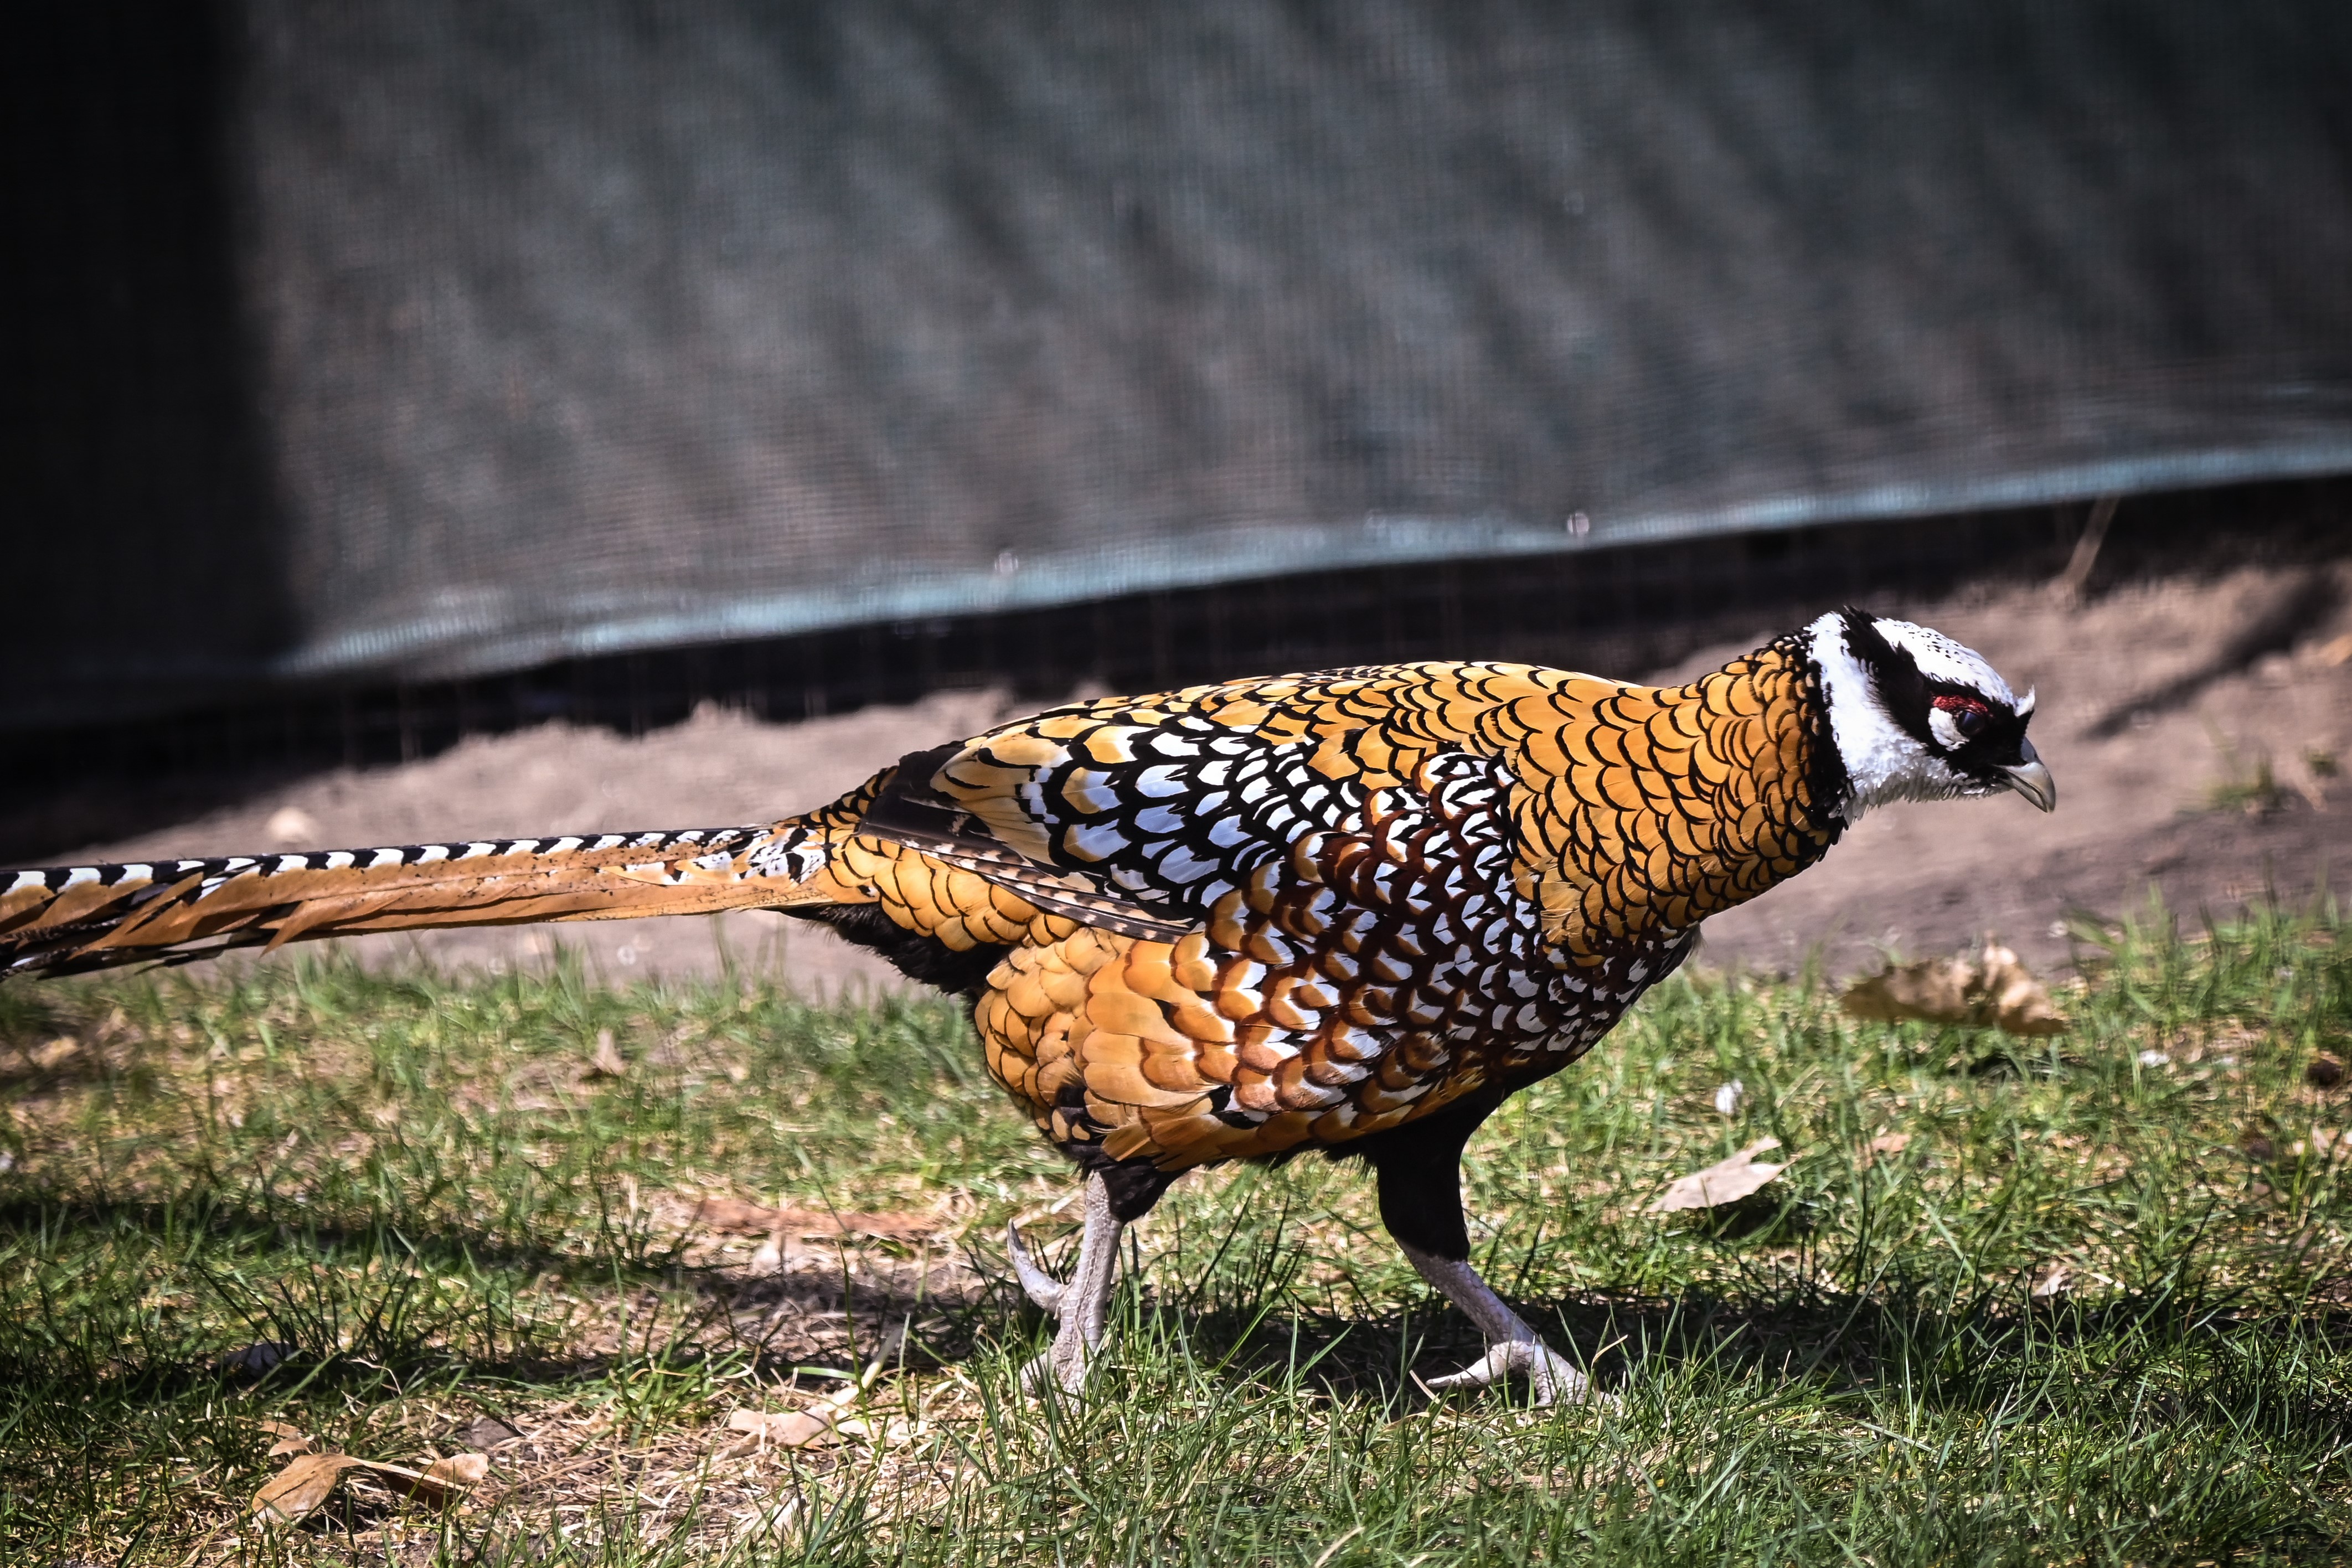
(1553, 1376)
(1511, 1344)
(1083, 1305)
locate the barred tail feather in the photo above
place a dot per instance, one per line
(69, 920)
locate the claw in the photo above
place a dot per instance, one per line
(1553, 1376)
(1492, 1367)
(1042, 1287)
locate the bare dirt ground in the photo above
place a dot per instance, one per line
(2194, 726)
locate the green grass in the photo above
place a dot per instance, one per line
(412, 1189)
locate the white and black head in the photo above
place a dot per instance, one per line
(1915, 716)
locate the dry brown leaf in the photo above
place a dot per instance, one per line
(416, 1485)
(2020, 1005)
(1725, 1181)
(1994, 991)
(733, 1213)
(1937, 990)
(292, 1440)
(1890, 1144)
(294, 1493)
(443, 1481)
(459, 1469)
(608, 1061)
(2053, 1279)
(781, 1429)
(803, 1429)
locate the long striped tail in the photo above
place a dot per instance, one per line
(71, 919)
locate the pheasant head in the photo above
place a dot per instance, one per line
(1915, 716)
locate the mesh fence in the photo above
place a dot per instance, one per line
(422, 340)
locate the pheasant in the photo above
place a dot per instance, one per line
(1351, 911)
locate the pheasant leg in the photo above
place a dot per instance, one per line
(1512, 1346)
(1420, 1168)
(1083, 1305)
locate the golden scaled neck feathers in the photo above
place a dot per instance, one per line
(1643, 810)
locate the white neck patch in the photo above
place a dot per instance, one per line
(1882, 762)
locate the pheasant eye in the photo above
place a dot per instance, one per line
(1969, 717)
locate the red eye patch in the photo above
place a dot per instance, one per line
(1969, 715)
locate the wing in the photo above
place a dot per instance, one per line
(909, 810)
(1139, 815)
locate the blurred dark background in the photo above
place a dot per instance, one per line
(380, 373)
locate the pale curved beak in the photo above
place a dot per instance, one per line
(2032, 779)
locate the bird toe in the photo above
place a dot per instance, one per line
(1040, 1287)
(1552, 1377)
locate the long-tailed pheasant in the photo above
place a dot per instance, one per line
(1352, 911)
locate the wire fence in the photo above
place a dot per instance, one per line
(1624, 611)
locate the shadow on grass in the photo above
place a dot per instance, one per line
(223, 1220)
(2174, 1356)
(371, 1305)
(355, 1309)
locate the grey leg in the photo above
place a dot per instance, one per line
(1511, 1345)
(1084, 1304)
